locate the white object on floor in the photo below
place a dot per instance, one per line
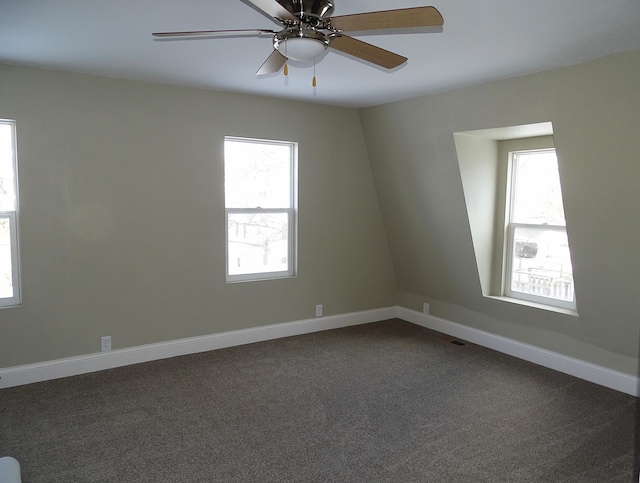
(9, 470)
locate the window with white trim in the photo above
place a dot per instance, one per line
(260, 207)
(9, 260)
(538, 261)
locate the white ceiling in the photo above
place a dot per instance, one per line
(481, 40)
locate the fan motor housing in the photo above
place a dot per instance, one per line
(312, 12)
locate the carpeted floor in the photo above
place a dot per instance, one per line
(383, 402)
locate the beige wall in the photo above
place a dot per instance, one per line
(594, 108)
(122, 221)
(122, 215)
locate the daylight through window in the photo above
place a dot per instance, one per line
(538, 262)
(9, 273)
(260, 207)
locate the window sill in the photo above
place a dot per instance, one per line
(11, 306)
(535, 305)
(260, 279)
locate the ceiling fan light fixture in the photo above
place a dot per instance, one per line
(300, 44)
(300, 48)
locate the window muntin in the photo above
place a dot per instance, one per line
(260, 208)
(9, 260)
(538, 267)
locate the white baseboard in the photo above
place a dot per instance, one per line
(603, 376)
(43, 371)
(72, 366)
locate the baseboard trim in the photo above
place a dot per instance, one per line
(73, 366)
(587, 371)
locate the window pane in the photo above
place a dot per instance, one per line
(6, 281)
(257, 175)
(537, 194)
(7, 184)
(258, 242)
(541, 264)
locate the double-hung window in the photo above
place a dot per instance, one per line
(538, 259)
(260, 208)
(9, 266)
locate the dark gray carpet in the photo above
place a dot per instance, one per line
(383, 402)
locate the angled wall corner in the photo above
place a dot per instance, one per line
(484, 183)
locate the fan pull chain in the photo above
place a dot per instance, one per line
(314, 83)
(286, 67)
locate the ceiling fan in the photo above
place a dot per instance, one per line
(309, 29)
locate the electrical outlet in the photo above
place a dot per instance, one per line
(319, 310)
(105, 343)
(425, 308)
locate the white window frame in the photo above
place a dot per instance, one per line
(510, 240)
(291, 211)
(12, 216)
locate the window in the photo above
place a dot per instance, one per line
(260, 207)
(9, 267)
(538, 267)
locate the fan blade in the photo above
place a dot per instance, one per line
(214, 33)
(367, 52)
(273, 63)
(389, 19)
(272, 9)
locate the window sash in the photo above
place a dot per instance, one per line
(15, 297)
(290, 246)
(514, 177)
(538, 286)
(293, 150)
